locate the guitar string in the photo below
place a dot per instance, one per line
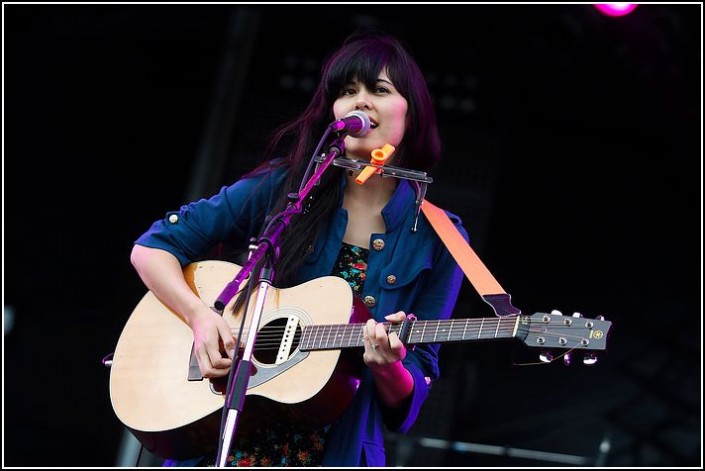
(270, 336)
(274, 331)
(278, 330)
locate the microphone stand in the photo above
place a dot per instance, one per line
(268, 249)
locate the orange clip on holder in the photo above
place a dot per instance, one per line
(379, 156)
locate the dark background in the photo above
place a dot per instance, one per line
(572, 151)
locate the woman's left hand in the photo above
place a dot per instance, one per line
(382, 349)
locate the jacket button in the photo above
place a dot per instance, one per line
(370, 301)
(173, 219)
(391, 279)
(378, 244)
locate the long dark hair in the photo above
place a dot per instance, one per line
(362, 56)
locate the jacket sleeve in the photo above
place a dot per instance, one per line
(234, 214)
(438, 293)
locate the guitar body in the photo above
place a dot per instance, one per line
(156, 389)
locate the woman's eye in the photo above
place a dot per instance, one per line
(381, 90)
(347, 91)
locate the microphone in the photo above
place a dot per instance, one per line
(356, 124)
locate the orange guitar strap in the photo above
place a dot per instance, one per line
(476, 271)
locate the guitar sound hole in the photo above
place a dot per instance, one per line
(270, 340)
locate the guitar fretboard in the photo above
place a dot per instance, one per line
(338, 336)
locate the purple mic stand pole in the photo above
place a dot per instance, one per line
(267, 244)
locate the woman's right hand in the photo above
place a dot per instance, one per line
(163, 275)
(214, 344)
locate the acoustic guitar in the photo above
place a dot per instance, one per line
(305, 364)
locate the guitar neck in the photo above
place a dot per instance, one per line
(339, 336)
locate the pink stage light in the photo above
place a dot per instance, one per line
(615, 9)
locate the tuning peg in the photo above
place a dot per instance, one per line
(577, 314)
(589, 359)
(566, 358)
(556, 312)
(546, 357)
(600, 318)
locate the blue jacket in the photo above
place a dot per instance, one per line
(407, 271)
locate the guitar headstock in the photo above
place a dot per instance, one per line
(574, 333)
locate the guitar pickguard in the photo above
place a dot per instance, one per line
(267, 361)
(267, 348)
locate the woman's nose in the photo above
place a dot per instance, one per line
(362, 102)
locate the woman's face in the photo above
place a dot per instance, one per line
(386, 109)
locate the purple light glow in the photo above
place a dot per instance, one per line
(615, 9)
